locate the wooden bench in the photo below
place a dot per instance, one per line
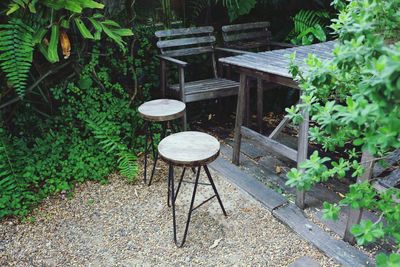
(185, 42)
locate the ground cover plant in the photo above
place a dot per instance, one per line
(69, 91)
(354, 100)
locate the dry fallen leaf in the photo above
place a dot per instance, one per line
(278, 169)
(65, 44)
(216, 243)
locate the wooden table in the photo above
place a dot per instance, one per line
(273, 67)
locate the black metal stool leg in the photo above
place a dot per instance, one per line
(170, 177)
(190, 210)
(154, 152)
(214, 188)
(180, 183)
(146, 126)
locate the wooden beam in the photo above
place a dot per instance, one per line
(260, 103)
(181, 71)
(302, 150)
(270, 144)
(279, 128)
(354, 215)
(239, 119)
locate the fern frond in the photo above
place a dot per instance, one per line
(195, 7)
(16, 48)
(105, 132)
(8, 180)
(127, 165)
(306, 19)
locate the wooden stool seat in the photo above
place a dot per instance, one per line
(162, 110)
(189, 149)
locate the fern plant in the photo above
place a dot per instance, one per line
(309, 25)
(106, 132)
(16, 47)
(235, 8)
(10, 193)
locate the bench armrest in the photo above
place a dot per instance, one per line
(287, 45)
(232, 51)
(172, 60)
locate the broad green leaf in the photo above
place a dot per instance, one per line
(97, 26)
(83, 29)
(12, 8)
(53, 44)
(38, 36)
(123, 32)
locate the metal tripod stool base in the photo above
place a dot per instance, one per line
(189, 150)
(174, 194)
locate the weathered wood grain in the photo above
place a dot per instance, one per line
(354, 215)
(185, 41)
(302, 150)
(266, 196)
(189, 149)
(162, 110)
(207, 89)
(245, 26)
(277, 62)
(184, 31)
(188, 51)
(239, 119)
(246, 36)
(270, 144)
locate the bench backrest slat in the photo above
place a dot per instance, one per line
(186, 41)
(247, 35)
(184, 31)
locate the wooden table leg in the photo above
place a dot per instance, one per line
(247, 113)
(239, 119)
(260, 104)
(302, 150)
(355, 215)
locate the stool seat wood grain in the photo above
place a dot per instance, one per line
(162, 110)
(189, 149)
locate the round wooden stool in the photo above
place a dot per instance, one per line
(158, 111)
(192, 150)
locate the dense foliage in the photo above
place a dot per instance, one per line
(44, 24)
(77, 119)
(354, 100)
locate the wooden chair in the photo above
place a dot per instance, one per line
(251, 37)
(186, 42)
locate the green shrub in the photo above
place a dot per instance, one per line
(354, 101)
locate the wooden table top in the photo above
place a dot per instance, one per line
(277, 62)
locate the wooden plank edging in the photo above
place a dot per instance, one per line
(290, 215)
(339, 250)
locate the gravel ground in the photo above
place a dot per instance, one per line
(122, 224)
